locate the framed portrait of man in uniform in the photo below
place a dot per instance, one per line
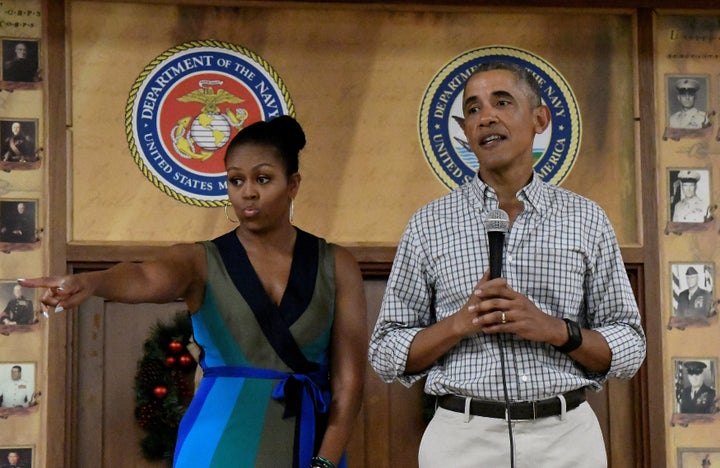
(695, 386)
(693, 294)
(698, 457)
(17, 388)
(18, 306)
(16, 457)
(20, 60)
(18, 222)
(18, 142)
(689, 197)
(687, 102)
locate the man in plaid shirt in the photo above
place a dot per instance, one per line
(509, 358)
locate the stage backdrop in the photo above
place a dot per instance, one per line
(356, 76)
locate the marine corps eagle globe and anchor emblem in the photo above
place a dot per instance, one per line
(440, 121)
(187, 104)
(200, 137)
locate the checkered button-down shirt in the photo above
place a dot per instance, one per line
(561, 252)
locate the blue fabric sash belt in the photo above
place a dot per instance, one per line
(303, 390)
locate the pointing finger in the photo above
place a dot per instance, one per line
(43, 282)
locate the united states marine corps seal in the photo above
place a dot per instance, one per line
(440, 122)
(187, 104)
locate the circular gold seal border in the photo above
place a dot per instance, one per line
(140, 81)
(500, 50)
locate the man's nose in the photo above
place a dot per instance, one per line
(488, 120)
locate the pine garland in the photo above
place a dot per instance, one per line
(164, 385)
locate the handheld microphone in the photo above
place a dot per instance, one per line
(497, 224)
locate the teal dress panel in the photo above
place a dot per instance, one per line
(246, 412)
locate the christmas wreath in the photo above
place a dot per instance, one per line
(164, 385)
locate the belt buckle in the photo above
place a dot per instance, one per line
(534, 413)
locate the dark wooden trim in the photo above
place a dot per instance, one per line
(374, 260)
(420, 4)
(641, 441)
(57, 394)
(615, 4)
(653, 394)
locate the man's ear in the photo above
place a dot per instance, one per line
(541, 118)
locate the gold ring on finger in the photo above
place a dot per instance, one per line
(502, 317)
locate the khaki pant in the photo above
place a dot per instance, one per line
(574, 442)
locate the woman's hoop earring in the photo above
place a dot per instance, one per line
(228, 216)
(292, 209)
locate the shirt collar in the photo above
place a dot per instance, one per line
(533, 195)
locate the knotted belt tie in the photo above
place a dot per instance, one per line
(311, 398)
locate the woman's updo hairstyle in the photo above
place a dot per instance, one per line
(283, 133)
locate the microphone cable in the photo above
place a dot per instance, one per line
(501, 348)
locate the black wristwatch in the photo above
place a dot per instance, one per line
(574, 337)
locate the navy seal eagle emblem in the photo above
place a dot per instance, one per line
(443, 140)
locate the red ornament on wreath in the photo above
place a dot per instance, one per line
(176, 347)
(170, 361)
(160, 391)
(186, 360)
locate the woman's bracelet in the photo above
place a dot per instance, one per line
(320, 462)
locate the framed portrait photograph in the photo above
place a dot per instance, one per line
(695, 385)
(689, 197)
(20, 58)
(693, 294)
(17, 457)
(17, 388)
(19, 306)
(687, 101)
(698, 457)
(18, 221)
(18, 144)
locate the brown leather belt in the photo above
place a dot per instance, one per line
(516, 409)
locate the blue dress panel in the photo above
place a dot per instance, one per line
(264, 395)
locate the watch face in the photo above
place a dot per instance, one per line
(574, 329)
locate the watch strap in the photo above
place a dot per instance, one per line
(575, 338)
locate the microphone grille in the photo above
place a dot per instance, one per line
(497, 221)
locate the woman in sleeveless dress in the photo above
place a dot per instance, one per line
(278, 313)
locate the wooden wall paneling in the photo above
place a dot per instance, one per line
(627, 432)
(653, 401)
(405, 423)
(376, 407)
(369, 431)
(393, 416)
(87, 450)
(52, 447)
(125, 330)
(110, 343)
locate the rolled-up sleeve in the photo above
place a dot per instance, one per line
(406, 309)
(612, 309)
